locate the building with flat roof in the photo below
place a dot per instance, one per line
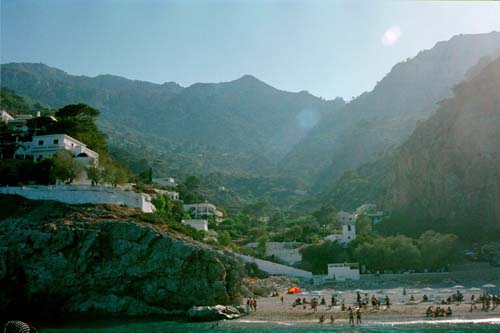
(42, 146)
(201, 225)
(343, 271)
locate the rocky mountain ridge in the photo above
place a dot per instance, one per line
(449, 169)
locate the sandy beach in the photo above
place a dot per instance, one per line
(401, 309)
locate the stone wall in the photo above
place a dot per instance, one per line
(274, 268)
(80, 194)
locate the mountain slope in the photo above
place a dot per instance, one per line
(449, 169)
(244, 120)
(375, 123)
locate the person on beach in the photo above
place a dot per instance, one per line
(332, 320)
(254, 304)
(358, 316)
(323, 302)
(351, 316)
(281, 299)
(358, 298)
(387, 303)
(343, 306)
(448, 312)
(322, 319)
(247, 309)
(473, 303)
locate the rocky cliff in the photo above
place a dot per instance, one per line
(56, 258)
(449, 169)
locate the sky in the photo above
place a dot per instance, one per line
(329, 48)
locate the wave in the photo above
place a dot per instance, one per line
(491, 321)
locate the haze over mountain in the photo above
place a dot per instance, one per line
(246, 127)
(449, 169)
(374, 124)
(242, 120)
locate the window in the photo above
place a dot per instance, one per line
(40, 143)
(56, 141)
(348, 228)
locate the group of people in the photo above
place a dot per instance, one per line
(363, 302)
(304, 302)
(438, 312)
(488, 302)
(251, 305)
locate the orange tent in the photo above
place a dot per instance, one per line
(294, 290)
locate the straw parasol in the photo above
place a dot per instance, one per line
(457, 287)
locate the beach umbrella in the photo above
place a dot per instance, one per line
(489, 285)
(457, 287)
(474, 289)
(294, 290)
(428, 289)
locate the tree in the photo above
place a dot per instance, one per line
(224, 238)
(95, 175)
(78, 121)
(326, 215)
(316, 258)
(65, 167)
(363, 225)
(261, 246)
(438, 250)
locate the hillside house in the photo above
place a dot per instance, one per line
(203, 210)
(347, 222)
(5, 116)
(42, 146)
(199, 224)
(166, 181)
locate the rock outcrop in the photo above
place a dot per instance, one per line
(56, 258)
(212, 313)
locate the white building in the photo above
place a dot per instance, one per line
(348, 223)
(344, 271)
(288, 252)
(203, 210)
(42, 146)
(172, 194)
(166, 181)
(201, 225)
(5, 116)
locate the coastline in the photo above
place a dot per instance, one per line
(270, 310)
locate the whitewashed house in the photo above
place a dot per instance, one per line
(5, 116)
(172, 194)
(42, 146)
(166, 181)
(203, 210)
(343, 271)
(347, 222)
(199, 224)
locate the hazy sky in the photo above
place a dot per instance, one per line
(330, 48)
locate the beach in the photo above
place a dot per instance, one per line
(401, 309)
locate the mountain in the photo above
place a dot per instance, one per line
(376, 123)
(449, 169)
(240, 126)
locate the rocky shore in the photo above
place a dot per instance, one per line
(59, 259)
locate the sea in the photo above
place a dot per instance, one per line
(490, 325)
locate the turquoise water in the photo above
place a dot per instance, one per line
(490, 326)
